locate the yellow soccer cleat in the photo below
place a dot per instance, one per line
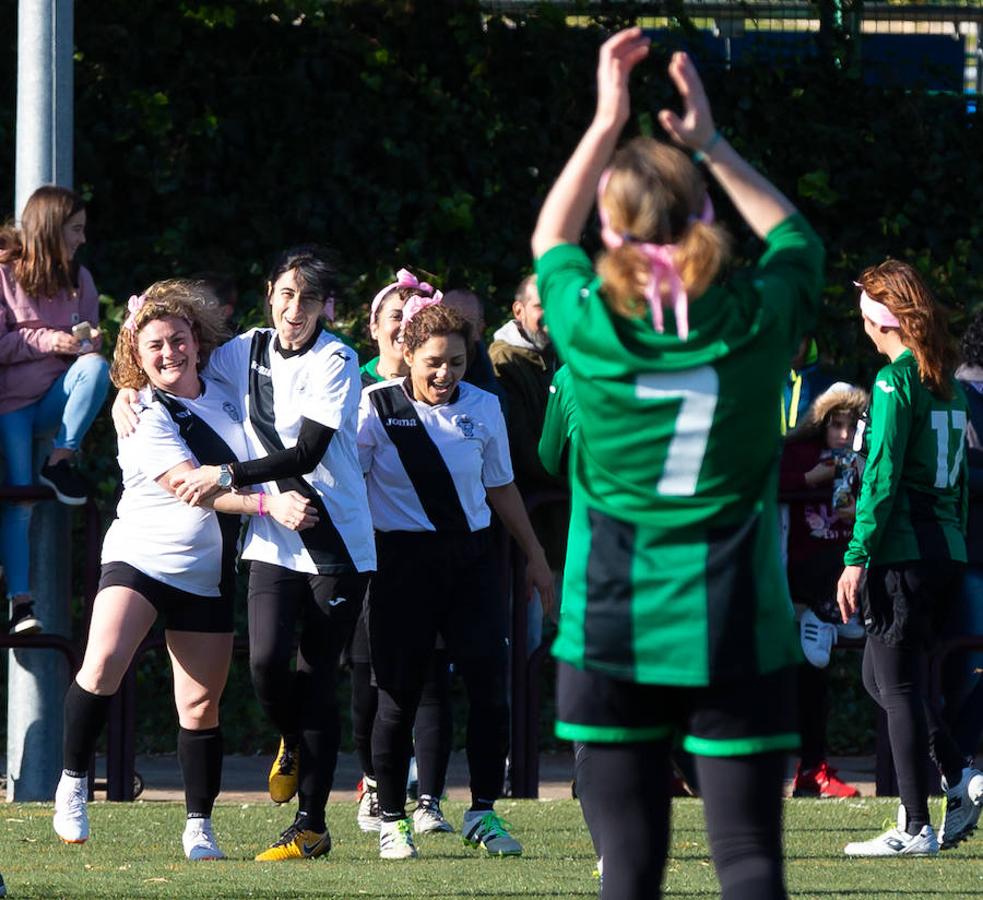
(283, 774)
(297, 843)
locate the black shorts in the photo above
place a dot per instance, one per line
(431, 585)
(180, 610)
(906, 604)
(735, 718)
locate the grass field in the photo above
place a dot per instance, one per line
(136, 852)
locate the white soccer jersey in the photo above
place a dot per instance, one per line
(279, 389)
(427, 467)
(154, 532)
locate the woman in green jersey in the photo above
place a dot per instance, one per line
(909, 540)
(676, 620)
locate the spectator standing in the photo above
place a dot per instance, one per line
(819, 479)
(52, 376)
(480, 371)
(524, 361)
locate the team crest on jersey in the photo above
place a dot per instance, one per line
(231, 411)
(466, 426)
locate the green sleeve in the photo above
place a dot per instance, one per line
(789, 275)
(565, 279)
(890, 426)
(555, 436)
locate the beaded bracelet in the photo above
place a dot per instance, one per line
(700, 156)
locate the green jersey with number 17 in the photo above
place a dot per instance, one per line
(673, 572)
(914, 495)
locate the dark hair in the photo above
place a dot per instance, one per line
(971, 345)
(434, 321)
(37, 250)
(923, 321)
(315, 270)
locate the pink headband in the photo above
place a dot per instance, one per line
(415, 304)
(404, 279)
(878, 313)
(662, 263)
(133, 307)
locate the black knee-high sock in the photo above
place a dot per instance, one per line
(200, 756)
(85, 714)
(364, 703)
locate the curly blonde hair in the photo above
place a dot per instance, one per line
(182, 298)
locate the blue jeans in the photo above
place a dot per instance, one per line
(69, 406)
(962, 681)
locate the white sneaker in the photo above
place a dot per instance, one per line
(71, 818)
(199, 841)
(852, 629)
(368, 807)
(897, 842)
(428, 819)
(396, 840)
(484, 828)
(961, 808)
(817, 639)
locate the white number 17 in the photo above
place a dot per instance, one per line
(940, 425)
(698, 389)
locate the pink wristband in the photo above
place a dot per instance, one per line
(262, 511)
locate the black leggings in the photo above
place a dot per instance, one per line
(897, 679)
(624, 789)
(486, 742)
(431, 731)
(813, 712)
(302, 704)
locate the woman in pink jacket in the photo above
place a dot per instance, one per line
(52, 377)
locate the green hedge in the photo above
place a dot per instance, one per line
(426, 134)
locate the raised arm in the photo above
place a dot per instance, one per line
(569, 202)
(761, 204)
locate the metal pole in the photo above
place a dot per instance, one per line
(36, 679)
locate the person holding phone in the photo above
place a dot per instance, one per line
(52, 376)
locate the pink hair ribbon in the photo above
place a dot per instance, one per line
(878, 313)
(662, 264)
(416, 303)
(133, 307)
(404, 279)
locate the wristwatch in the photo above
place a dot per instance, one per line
(225, 476)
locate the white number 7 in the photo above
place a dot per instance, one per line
(940, 425)
(698, 389)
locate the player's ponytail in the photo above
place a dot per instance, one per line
(657, 226)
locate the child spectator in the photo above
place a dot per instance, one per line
(819, 480)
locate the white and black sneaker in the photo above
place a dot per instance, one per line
(817, 639)
(427, 817)
(396, 840)
(961, 807)
(66, 481)
(897, 842)
(368, 816)
(23, 620)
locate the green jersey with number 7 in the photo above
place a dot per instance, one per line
(673, 571)
(914, 498)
